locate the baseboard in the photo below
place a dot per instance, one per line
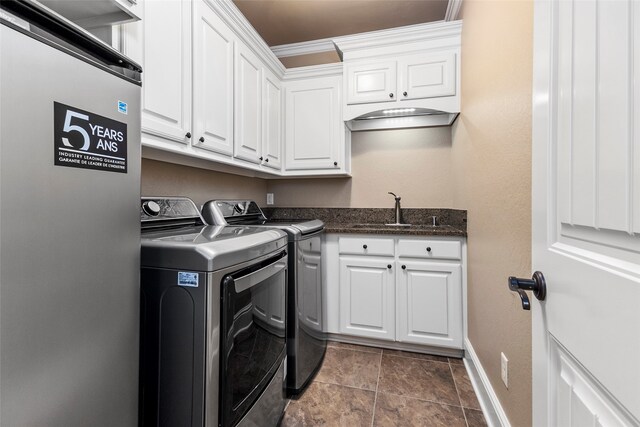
(491, 407)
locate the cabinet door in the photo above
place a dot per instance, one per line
(371, 82)
(271, 120)
(367, 297)
(314, 130)
(429, 303)
(166, 92)
(427, 76)
(248, 77)
(212, 84)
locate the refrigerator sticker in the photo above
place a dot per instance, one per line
(88, 141)
(187, 279)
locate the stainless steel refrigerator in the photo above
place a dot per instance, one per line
(69, 224)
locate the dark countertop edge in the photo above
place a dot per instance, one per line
(349, 229)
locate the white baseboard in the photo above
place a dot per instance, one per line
(491, 407)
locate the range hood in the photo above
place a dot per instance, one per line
(401, 118)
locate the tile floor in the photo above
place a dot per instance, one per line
(367, 386)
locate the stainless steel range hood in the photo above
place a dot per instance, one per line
(401, 118)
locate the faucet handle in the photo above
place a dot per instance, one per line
(394, 195)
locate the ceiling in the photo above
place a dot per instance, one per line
(291, 21)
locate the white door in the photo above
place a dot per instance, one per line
(248, 134)
(586, 213)
(166, 91)
(272, 107)
(429, 303)
(212, 82)
(314, 129)
(427, 76)
(367, 297)
(374, 82)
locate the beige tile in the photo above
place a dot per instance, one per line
(456, 361)
(421, 356)
(467, 395)
(420, 379)
(350, 368)
(393, 411)
(330, 405)
(336, 344)
(475, 418)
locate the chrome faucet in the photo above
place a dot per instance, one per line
(398, 211)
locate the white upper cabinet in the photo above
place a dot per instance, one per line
(409, 67)
(165, 28)
(272, 120)
(314, 130)
(427, 76)
(213, 82)
(248, 111)
(374, 82)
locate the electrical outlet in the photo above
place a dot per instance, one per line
(504, 369)
(269, 198)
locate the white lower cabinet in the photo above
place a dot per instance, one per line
(429, 303)
(408, 290)
(367, 297)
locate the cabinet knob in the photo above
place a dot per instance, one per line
(188, 135)
(404, 267)
(364, 246)
(261, 158)
(391, 95)
(335, 163)
(428, 248)
(404, 93)
(389, 266)
(266, 160)
(201, 139)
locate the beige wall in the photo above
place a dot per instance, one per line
(492, 169)
(166, 179)
(413, 163)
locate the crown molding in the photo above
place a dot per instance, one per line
(230, 13)
(311, 71)
(453, 10)
(303, 48)
(398, 36)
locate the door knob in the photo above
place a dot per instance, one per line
(536, 284)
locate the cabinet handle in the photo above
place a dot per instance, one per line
(404, 93)
(188, 135)
(391, 95)
(389, 266)
(364, 246)
(404, 267)
(201, 139)
(335, 163)
(428, 248)
(267, 160)
(261, 158)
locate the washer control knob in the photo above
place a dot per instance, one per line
(151, 208)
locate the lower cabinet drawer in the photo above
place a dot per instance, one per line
(429, 249)
(366, 246)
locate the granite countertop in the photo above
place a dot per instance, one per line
(451, 222)
(413, 230)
